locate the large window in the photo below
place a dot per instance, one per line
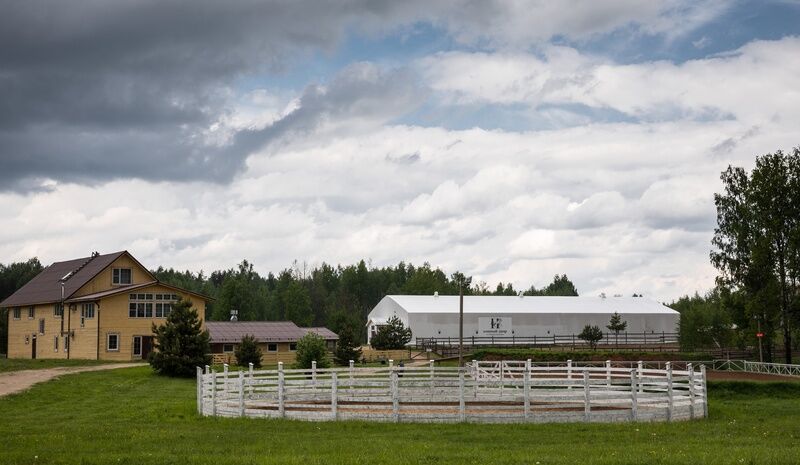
(112, 342)
(87, 312)
(31, 313)
(41, 326)
(58, 310)
(140, 306)
(17, 313)
(121, 276)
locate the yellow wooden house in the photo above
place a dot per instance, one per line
(100, 307)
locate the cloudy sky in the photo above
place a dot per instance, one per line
(511, 140)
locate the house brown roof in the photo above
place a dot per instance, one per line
(46, 286)
(106, 293)
(263, 331)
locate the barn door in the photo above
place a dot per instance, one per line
(147, 346)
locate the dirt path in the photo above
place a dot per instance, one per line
(17, 381)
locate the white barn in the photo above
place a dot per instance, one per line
(489, 319)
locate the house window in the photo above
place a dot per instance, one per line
(31, 313)
(17, 312)
(292, 346)
(137, 346)
(272, 347)
(140, 306)
(227, 348)
(112, 342)
(87, 311)
(55, 343)
(163, 305)
(41, 326)
(58, 310)
(121, 276)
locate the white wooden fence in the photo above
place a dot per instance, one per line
(493, 392)
(783, 369)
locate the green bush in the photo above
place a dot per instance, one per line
(312, 347)
(248, 352)
(180, 344)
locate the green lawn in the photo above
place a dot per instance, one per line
(131, 416)
(15, 364)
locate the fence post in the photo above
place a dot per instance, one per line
(250, 379)
(352, 364)
(670, 400)
(241, 393)
(225, 375)
(395, 395)
(502, 378)
(391, 363)
(199, 390)
(281, 393)
(587, 405)
(432, 372)
(703, 379)
(640, 369)
(690, 369)
(608, 373)
(569, 375)
(214, 393)
(462, 411)
(476, 376)
(334, 395)
(208, 369)
(526, 388)
(314, 377)
(634, 397)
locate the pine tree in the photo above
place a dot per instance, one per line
(592, 335)
(617, 324)
(391, 336)
(248, 352)
(347, 348)
(181, 344)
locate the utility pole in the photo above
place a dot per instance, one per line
(460, 323)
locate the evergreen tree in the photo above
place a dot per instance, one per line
(347, 348)
(311, 347)
(180, 344)
(592, 335)
(617, 324)
(248, 352)
(391, 336)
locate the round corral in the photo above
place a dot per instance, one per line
(490, 392)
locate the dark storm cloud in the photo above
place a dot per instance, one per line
(91, 91)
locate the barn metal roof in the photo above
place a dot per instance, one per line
(46, 286)
(263, 331)
(529, 304)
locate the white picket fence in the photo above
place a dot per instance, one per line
(493, 392)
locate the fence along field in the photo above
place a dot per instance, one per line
(490, 392)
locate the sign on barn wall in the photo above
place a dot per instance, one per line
(494, 326)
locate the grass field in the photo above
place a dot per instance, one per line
(131, 416)
(15, 364)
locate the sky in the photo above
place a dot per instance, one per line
(510, 140)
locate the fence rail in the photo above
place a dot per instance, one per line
(757, 367)
(622, 339)
(494, 392)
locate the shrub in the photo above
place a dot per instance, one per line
(248, 352)
(391, 336)
(592, 335)
(311, 347)
(180, 345)
(347, 348)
